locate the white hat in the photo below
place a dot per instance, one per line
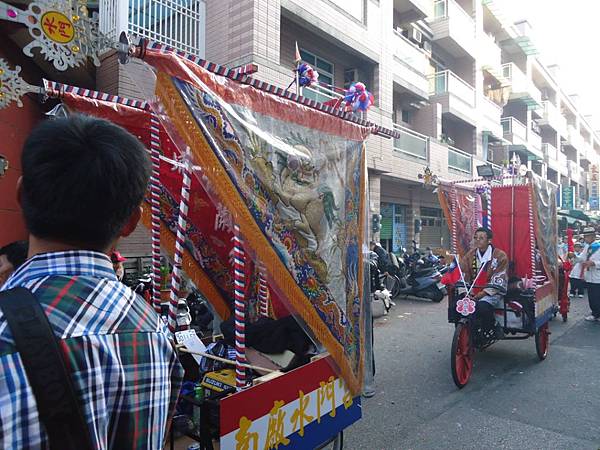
(589, 230)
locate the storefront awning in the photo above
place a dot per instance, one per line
(574, 214)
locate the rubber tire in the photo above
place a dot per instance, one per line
(461, 358)
(542, 341)
(436, 294)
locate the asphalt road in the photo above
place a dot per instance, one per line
(513, 401)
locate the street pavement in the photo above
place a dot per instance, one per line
(513, 401)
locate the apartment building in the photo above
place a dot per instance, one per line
(462, 85)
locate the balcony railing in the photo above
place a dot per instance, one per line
(575, 138)
(444, 9)
(552, 115)
(490, 52)
(412, 56)
(511, 126)
(448, 82)
(320, 93)
(520, 83)
(491, 110)
(562, 163)
(411, 143)
(177, 23)
(459, 160)
(550, 152)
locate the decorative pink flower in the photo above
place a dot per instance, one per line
(465, 306)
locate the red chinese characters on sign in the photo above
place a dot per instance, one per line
(57, 27)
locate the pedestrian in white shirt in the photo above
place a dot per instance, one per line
(590, 261)
(577, 276)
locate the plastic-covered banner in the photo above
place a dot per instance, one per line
(293, 179)
(468, 214)
(544, 210)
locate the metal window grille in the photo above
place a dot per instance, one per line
(177, 23)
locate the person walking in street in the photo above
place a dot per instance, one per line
(590, 261)
(83, 181)
(117, 261)
(576, 277)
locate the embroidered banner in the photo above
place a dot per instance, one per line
(293, 179)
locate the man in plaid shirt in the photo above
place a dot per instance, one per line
(82, 185)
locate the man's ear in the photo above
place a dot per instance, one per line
(19, 191)
(132, 222)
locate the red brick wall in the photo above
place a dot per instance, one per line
(15, 125)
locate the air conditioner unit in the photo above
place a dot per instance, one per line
(416, 36)
(426, 45)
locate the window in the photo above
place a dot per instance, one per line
(326, 71)
(407, 116)
(350, 76)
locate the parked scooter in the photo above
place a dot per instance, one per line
(378, 285)
(418, 280)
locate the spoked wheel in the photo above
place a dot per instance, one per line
(462, 355)
(542, 337)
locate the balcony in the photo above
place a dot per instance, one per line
(411, 65)
(322, 94)
(514, 131)
(453, 29)
(523, 88)
(411, 143)
(413, 10)
(180, 25)
(562, 164)
(574, 172)
(534, 143)
(492, 114)
(456, 96)
(550, 153)
(490, 54)
(460, 161)
(574, 139)
(551, 117)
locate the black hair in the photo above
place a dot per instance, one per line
(83, 177)
(485, 230)
(16, 252)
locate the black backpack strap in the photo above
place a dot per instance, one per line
(50, 380)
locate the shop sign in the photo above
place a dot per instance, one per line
(594, 183)
(567, 197)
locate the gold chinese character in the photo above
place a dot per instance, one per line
(347, 399)
(275, 435)
(243, 437)
(299, 417)
(326, 391)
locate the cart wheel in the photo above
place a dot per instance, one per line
(542, 337)
(462, 355)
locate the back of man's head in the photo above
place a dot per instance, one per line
(83, 178)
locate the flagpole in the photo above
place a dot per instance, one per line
(297, 60)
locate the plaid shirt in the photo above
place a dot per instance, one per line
(125, 369)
